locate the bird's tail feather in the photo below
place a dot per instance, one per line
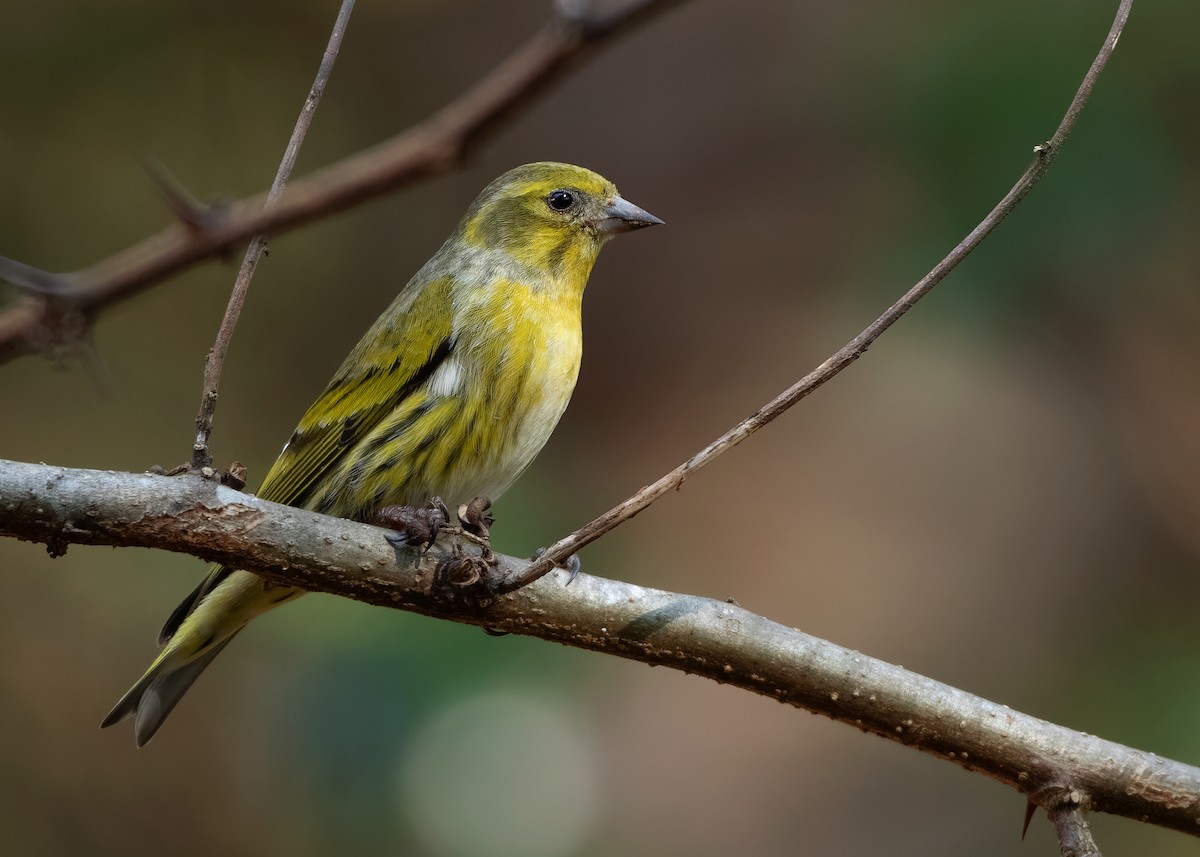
(159, 690)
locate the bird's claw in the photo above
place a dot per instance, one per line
(572, 565)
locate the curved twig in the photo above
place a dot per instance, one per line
(215, 362)
(1045, 153)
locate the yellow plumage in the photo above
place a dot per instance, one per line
(451, 393)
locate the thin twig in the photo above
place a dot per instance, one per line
(435, 146)
(844, 356)
(201, 457)
(724, 642)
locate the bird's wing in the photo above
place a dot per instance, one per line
(386, 367)
(396, 356)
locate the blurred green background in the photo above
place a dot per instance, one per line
(1003, 494)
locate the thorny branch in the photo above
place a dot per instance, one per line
(201, 457)
(719, 640)
(1044, 154)
(433, 147)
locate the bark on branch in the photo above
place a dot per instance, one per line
(721, 641)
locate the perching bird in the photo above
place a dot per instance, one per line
(451, 393)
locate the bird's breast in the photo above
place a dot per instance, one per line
(531, 377)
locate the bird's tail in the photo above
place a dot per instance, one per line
(160, 689)
(196, 633)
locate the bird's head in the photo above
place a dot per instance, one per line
(552, 217)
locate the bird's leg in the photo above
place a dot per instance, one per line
(413, 526)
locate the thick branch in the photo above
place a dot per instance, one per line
(424, 150)
(721, 641)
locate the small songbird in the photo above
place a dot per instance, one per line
(451, 393)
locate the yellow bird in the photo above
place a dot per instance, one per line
(451, 393)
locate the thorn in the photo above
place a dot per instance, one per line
(34, 280)
(192, 213)
(1030, 809)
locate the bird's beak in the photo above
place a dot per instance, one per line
(621, 215)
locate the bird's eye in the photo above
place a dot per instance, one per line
(560, 200)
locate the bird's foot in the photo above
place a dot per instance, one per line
(413, 526)
(464, 572)
(572, 566)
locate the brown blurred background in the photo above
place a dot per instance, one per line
(1003, 494)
